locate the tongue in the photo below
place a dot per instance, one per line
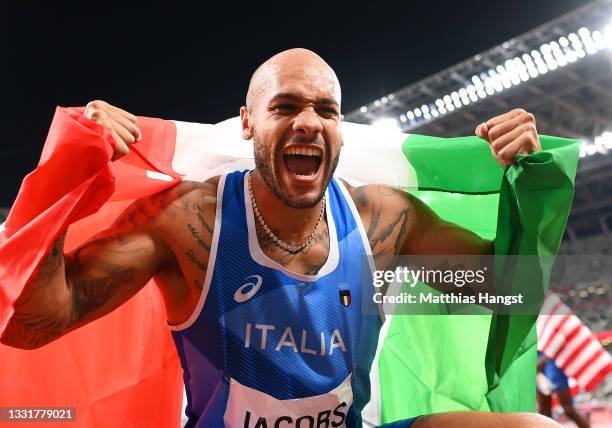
(302, 165)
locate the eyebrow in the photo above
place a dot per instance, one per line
(293, 97)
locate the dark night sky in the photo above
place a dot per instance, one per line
(194, 63)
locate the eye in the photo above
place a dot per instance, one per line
(327, 111)
(285, 108)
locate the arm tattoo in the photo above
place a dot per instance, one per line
(29, 331)
(193, 259)
(89, 292)
(28, 327)
(200, 215)
(394, 230)
(51, 265)
(386, 235)
(196, 235)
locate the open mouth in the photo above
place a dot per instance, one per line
(303, 162)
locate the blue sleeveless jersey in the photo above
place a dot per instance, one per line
(267, 347)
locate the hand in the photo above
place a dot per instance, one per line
(509, 134)
(120, 124)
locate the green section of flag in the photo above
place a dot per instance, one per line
(435, 363)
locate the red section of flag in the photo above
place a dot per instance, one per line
(121, 370)
(571, 345)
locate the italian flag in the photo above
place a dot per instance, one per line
(123, 370)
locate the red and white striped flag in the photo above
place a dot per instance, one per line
(566, 340)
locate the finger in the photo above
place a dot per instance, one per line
(507, 153)
(96, 114)
(120, 148)
(127, 124)
(508, 137)
(504, 117)
(507, 126)
(122, 112)
(499, 161)
(482, 131)
(126, 136)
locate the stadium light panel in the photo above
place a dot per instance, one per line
(601, 144)
(608, 36)
(550, 56)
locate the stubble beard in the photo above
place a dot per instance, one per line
(264, 163)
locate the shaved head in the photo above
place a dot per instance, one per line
(290, 61)
(292, 114)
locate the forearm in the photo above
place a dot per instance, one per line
(43, 310)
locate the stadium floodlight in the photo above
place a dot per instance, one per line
(387, 124)
(604, 141)
(608, 36)
(601, 144)
(492, 77)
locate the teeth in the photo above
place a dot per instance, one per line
(304, 151)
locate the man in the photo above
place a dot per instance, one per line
(557, 383)
(249, 264)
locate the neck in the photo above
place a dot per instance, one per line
(290, 224)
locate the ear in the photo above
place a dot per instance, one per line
(247, 129)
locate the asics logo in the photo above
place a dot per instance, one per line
(249, 289)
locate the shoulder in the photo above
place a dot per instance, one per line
(160, 210)
(390, 217)
(378, 197)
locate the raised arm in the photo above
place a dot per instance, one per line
(70, 290)
(398, 223)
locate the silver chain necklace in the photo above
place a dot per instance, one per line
(293, 249)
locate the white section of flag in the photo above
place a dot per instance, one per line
(369, 155)
(566, 340)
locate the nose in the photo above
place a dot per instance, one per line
(308, 124)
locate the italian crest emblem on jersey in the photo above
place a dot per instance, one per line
(345, 297)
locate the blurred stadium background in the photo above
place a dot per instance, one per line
(561, 72)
